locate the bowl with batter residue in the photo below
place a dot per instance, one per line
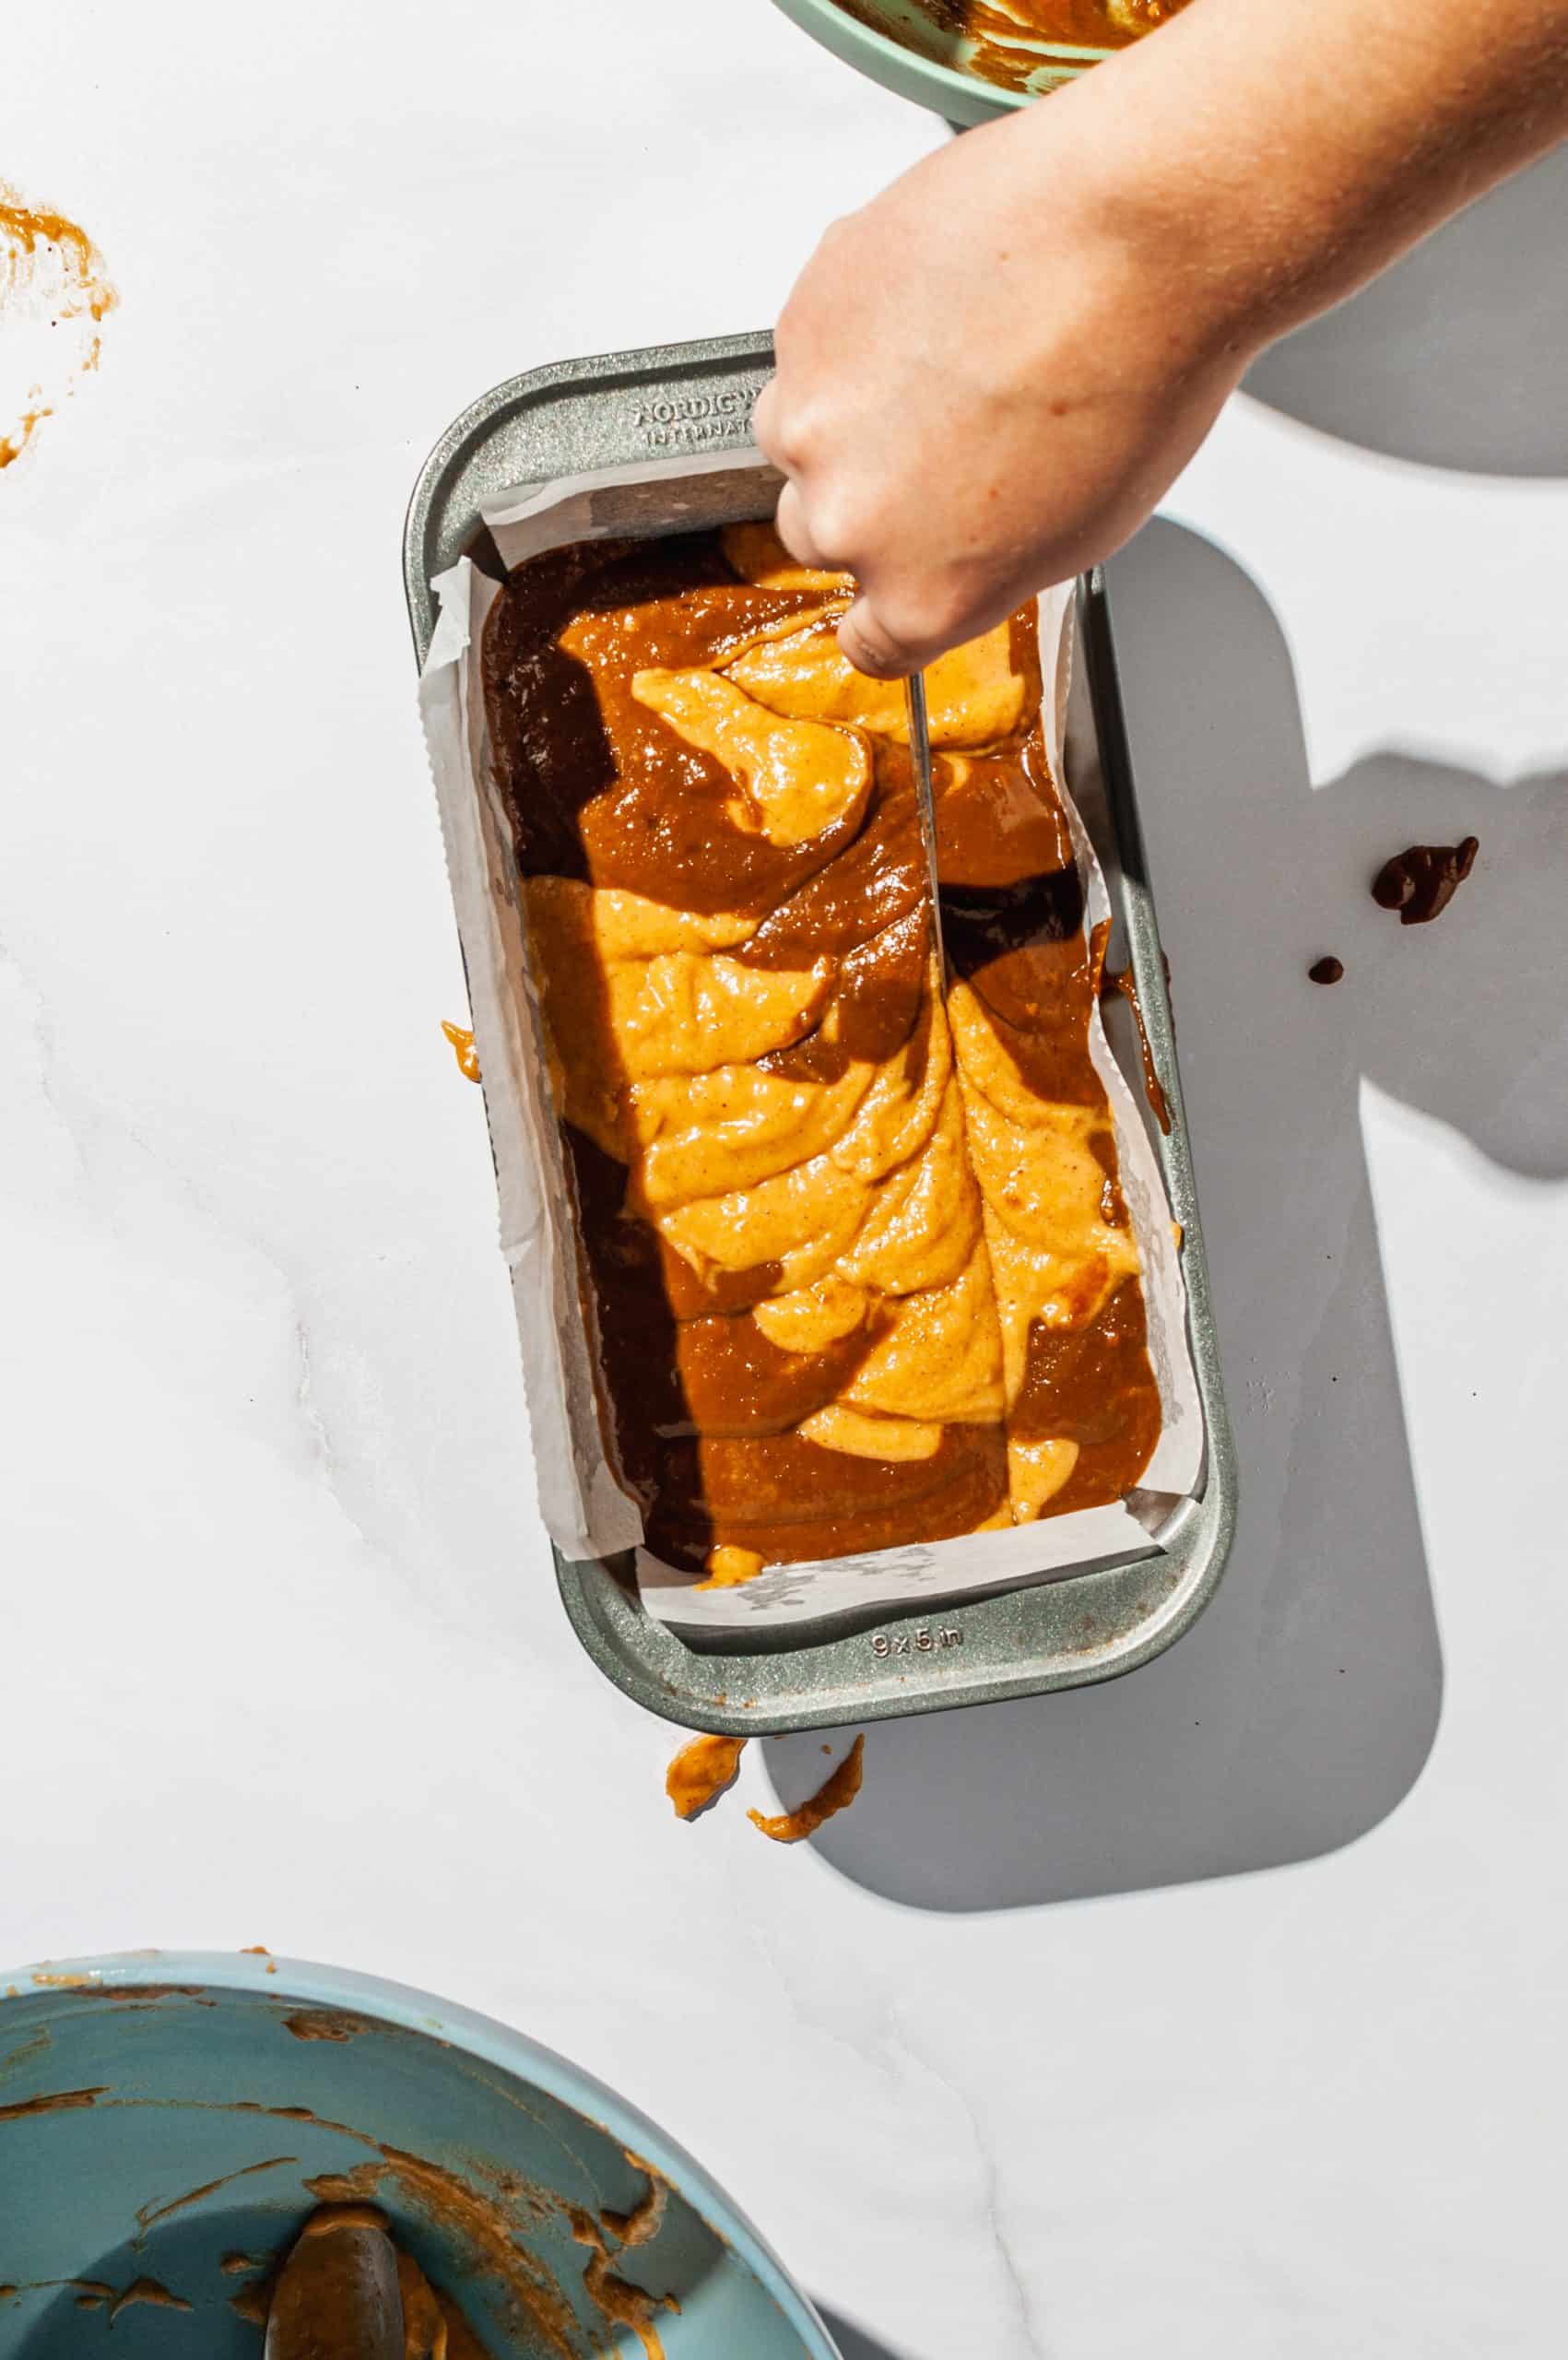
(970, 60)
(167, 2122)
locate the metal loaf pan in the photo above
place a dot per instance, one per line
(1068, 1631)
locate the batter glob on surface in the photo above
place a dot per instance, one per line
(855, 1266)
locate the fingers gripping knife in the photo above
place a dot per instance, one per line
(925, 798)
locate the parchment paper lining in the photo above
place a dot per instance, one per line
(584, 1510)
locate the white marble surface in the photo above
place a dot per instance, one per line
(1092, 2032)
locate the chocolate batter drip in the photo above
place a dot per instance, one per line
(1420, 882)
(701, 1405)
(1120, 983)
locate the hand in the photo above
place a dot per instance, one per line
(985, 381)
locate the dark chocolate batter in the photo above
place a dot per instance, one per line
(1120, 983)
(702, 1409)
(1420, 882)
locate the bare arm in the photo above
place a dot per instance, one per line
(988, 377)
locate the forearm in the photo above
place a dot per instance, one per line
(1279, 153)
(989, 377)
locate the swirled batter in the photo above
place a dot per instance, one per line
(857, 1268)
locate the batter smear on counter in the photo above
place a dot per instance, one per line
(52, 277)
(856, 1267)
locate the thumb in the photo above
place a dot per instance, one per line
(871, 647)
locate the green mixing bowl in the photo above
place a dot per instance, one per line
(900, 44)
(167, 2122)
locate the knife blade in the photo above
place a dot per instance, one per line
(925, 799)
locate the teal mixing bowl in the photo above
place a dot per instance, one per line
(166, 2122)
(901, 44)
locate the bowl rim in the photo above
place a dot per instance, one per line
(866, 47)
(260, 1975)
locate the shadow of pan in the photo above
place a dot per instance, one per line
(1301, 1709)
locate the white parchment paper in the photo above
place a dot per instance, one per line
(584, 1509)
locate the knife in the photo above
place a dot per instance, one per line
(925, 798)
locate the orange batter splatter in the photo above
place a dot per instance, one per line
(701, 1772)
(51, 276)
(462, 1042)
(837, 1794)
